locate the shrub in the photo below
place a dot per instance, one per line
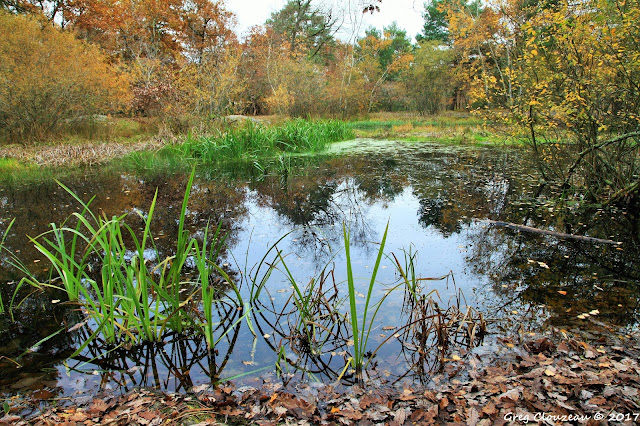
(50, 80)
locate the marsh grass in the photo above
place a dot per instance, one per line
(4, 237)
(431, 332)
(362, 330)
(257, 141)
(320, 326)
(318, 320)
(251, 146)
(126, 290)
(451, 128)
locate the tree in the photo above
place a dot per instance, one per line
(429, 78)
(435, 22)
(569, 75)
(437, 16)
(304, 26)
(378, 61)
(399, 44)
(49, 79)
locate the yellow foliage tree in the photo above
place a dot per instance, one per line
(569, 74)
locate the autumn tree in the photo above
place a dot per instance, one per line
(429, 81)
(304, 26)
(49, 79)
(437, 18)
(381, 57)
(400, 44)
(568, 74)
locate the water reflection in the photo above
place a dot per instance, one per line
(435, 199)
(178, 362)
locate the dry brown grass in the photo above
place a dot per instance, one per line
(86, 153)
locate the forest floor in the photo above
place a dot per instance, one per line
(558, 377)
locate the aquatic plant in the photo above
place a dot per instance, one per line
(4, 236)
(254, 141)
(126, 297)
(318, 319)
(362, 331)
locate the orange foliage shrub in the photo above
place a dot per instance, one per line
(49, 79)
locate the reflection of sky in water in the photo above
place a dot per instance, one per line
(437, 255)
(434, 199)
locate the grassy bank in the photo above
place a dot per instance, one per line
(449, 128)
(251, 142)
(127, 144)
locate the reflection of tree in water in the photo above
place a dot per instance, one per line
(38, 205)
(319, 200)
(22, 363)
(454, 190)
(532, 269)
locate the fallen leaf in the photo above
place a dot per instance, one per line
(280, 411)
(400, 416)
(78, 417)
(148, 415)
(444, 402)
(98, 406)
(489, 409)
(512, 394)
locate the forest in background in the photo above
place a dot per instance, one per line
(565, 74)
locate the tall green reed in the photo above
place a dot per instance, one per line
(362, 330)
(126, 296)
(2, 247)
(306, 299)
(254, 141)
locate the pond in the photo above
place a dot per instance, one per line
(450, 279)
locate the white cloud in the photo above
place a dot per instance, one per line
(407, 13)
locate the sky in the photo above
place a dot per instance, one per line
(407, 13)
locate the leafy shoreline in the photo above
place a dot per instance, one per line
(557, 375)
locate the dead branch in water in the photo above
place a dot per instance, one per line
(552, 233)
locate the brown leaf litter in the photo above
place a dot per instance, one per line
(547, 379)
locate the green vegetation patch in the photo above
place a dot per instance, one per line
(251, 142)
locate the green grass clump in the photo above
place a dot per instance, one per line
(126, 290)
(255, 141)
(375, 124)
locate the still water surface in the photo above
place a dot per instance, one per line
(436, 201)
